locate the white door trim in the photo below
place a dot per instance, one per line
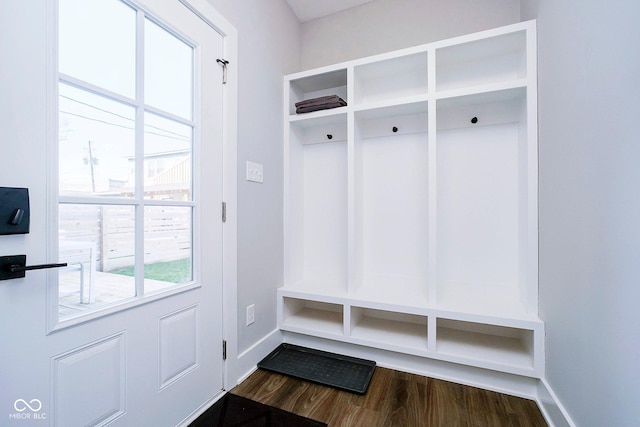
(230, 182)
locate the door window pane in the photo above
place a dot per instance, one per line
(168, 71)
(97, 43)
(97, 242)
(167, 247)
(97, 145)
(131, 145)
(167, 159)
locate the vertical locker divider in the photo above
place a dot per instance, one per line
(431, 333)
(351, 243)
(347, 322)
(432, 281)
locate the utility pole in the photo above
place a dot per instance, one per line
(92, 161)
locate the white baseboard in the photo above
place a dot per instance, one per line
(553, 411)
(246, 362)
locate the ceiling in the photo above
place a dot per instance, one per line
(306, 10)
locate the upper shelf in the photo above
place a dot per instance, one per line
(391, 78)
(480, 62)
(317, 85)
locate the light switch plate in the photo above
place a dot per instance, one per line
(254, 172)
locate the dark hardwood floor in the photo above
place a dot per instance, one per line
(393, 399)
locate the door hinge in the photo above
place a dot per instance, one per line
(224, 349)
(224, 211)
(224, 64)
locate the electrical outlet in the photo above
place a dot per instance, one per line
(251, 314)
(254, 172)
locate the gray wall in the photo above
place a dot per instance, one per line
(268, 48)
(386, 25)
(589, 109)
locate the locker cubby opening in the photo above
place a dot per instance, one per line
(391, 79)
(393, 121)
(326, 128)
(324, 84)
(491, 60)
(307, 315)
(483, 203)
(499, 107)
(499, 345)
(391, 204)
(316, 227)
(390, 328)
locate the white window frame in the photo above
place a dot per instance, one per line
(54, 322)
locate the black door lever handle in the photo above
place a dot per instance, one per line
(15, 266)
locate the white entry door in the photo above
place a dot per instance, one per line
(111, 114)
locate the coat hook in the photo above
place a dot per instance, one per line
(329, 136)
(474, 120)
(394, 129)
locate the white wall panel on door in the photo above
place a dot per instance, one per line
(178, 344)
(89, 383)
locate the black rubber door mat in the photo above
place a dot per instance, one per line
(335, 370)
